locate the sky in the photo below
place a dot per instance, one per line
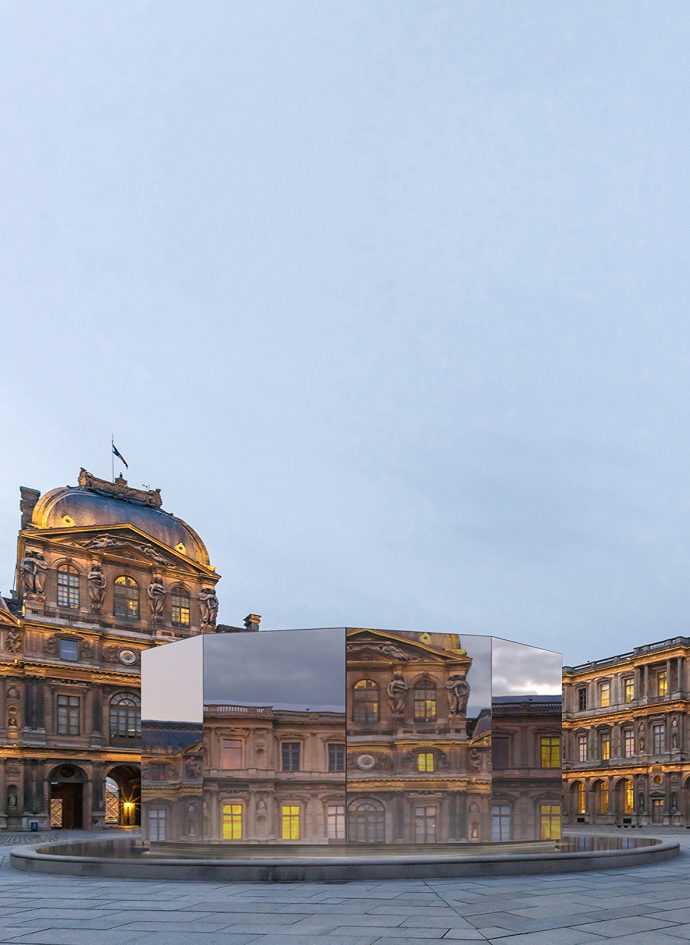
(389, 299)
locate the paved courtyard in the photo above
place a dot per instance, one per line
(641, 906)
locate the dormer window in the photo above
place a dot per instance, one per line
(126, 598)
(180, 607)
(68, 586)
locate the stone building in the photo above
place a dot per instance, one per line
(418, 762)
(102, 573)
(626, 738)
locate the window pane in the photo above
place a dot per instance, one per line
(550, 752)
(69, 650)
(336, 757)
(290, 817)
(232, 821)
(291, 756)
(336, 821)
(230, 754)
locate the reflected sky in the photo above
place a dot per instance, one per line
(524, 670)
(282, 668)
(171, 682)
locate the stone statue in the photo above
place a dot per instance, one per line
(193, 767)
(208, 602)
(11, 797)
(157, 594)
(674, 734)
(96, 584)
(33, 569)
(14, 640)
(458, 695)
(12, 717)
(397, 694)
(390, 649)
(641, 738)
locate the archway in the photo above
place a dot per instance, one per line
(67, 797)
(123, 796)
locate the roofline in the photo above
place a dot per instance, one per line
(644, 650)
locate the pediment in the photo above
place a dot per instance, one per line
(119, 541)
(385, 646)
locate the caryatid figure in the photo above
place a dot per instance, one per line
(96, 584)
(33, 568)
(458, 695)
(208, 604)
(156, 592)
(397, 693)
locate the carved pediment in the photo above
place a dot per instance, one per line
(386, 646)
(380, 651)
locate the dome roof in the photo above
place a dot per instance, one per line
(99, 502)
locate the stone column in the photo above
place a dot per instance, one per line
(668, 679)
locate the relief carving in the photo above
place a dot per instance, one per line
(33, 571)
(397, 690)
(51, 645)
(458, 695)
(12, 717)
(208, 603)
(156, 593)
(13, 641)
(96, 584)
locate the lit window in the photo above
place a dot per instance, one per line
(68, 587)
(550, 748)
(291, 756)
(662, 683)
(180, 607)
(68, 715)
(365, 701)
(125, 716)
(336, 757)
(581, 699)
(500, 822)
(68, 650)
(424, 701)
(628, 798)
(232, 821)
(604, 797)
(126, 598)
(659, 738)
(290, 821)
(605, 694)
(581, 805)
(230, 754)
(335, 816)
(550, 821)
(425, 761)
(630, 689)
(605, 746)
(628, 743)
(425, 824)
(582, 748)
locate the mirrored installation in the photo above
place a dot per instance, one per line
(350, 736)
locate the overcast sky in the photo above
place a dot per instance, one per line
(389, 299)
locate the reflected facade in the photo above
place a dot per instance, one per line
(351, 735)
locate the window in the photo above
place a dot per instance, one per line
(157, 773)
(126, 598)
(290, 821)
(68, 650)
(659, 738)
(424, 701)
(582, 748)
(500, 822)
(500, 751)
(230, 754)
(335, 820)
(662, 683)
(628, 798)
(180, 607)
(605, 746)
(125, 715)
(365, 701)
(628, 742)
(581, 803)
(68, 586)
(232, 821)
(604, 694)
(425, 761)
(291, 755)
(157, 818)
(336, 757)
(366, 822)
(425, 824)
(581, 699)
(604, 797)
(550, 821)
(629, 689)
(657, 810)
(550, 748)
(68, 715)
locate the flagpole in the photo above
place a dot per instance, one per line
(112, 456)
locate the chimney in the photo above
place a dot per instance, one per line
(27, 502)
(252, 621)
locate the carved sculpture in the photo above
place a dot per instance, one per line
(208, 603)
(397, 694)
(33, 569)
(156, 592)
(12, 717)
(390, 649)
(641, 737)
(96, 583)
(674, 734)
(14, 640)
(51, 645)
(12, 797)
(193, 767)
(458, 695)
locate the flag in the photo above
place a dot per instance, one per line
(119, 455)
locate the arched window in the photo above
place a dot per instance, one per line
(628, 797)
(68, 586)
(424, 700)
(365, 699)
(366, 821)
(580, 795)
(125, 715)
(126, 598)
(180, 607)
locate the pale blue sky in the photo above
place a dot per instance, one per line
(389, 298)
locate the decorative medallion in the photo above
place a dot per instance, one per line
(366, 762)
(128, 657)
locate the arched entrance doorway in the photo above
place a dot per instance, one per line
(123, 796)
(67, 797)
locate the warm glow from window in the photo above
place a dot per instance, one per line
(550, 752)
(604, 797)
(425, 761)
(630, 689)
(605, 694)
(550, 821)
(425, 701)
(290, 818)
(605, 745)
(232, 821)
(365, 699)
(581, 798)
(179, 607)
(662, 683)
(628, 798)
